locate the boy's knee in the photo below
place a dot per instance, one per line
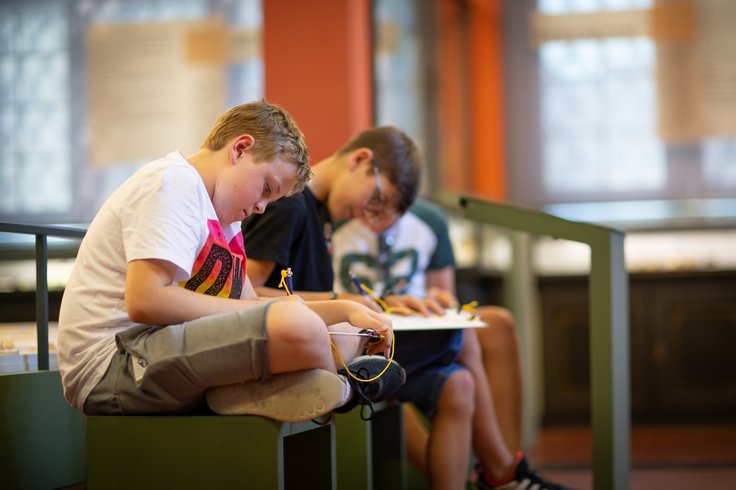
(293, 325)
(501, 325)
(458, 393)
(498, 317)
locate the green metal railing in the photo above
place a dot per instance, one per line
(609, 328)
(42, 232)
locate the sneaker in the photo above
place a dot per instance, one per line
(288, 397)
(524, 479)
(366, 394)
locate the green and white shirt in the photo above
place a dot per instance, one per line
(396, 261)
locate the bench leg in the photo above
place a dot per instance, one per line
(371, 454)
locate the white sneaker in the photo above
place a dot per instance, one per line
(289, 397)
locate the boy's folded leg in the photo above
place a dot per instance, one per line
(287, 397)
(392, 377)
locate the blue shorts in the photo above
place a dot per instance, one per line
(429, 359)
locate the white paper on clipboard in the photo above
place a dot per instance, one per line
(450, 320)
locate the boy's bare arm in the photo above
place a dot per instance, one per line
(249, 291)
(441, 286)
(151, 298)
(442, 279)
(259, 272)
(266, 292)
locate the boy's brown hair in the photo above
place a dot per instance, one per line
(274, 130)
(397, 158)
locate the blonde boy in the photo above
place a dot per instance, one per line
(158, 308)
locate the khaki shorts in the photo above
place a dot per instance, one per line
(168, 369)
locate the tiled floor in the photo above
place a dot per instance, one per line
(689, 457)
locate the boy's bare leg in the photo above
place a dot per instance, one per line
(417, 438)
(500, 356)
(300, 357)
(304, 384)
(490, 448)
(297, 339)
(449, 441)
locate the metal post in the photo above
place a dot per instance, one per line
(42, 301)
(609, 362)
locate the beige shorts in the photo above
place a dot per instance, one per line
(168, 369)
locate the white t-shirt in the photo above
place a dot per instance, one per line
(418, 242)
(163, 212)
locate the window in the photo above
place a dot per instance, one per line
(592, 104)
(44, 173)
(599, 127)
(35, 173)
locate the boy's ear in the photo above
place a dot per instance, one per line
(241, 145)
(361, 156)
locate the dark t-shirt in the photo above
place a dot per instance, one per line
(293, 232)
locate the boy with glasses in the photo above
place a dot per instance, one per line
(374, 175)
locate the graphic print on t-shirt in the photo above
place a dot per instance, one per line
(220, 266)
(402, 266)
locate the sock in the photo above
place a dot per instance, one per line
(502, 481)
(348, 391)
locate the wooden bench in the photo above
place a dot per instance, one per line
(208, 451)
(45, 443)
(41, 435)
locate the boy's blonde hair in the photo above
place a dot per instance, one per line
(275, 132)
(397, 158)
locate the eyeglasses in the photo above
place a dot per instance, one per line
(374, 210)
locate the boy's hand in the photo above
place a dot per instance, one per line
(443, 297)
(362, 317)
(336, 311)
(426, 306)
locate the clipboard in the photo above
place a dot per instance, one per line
(452, 319)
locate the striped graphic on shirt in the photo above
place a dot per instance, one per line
(220, 266)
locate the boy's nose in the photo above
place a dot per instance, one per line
(259, 207)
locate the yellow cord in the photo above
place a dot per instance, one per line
(374, 297)
(386, 308)
(284, 274)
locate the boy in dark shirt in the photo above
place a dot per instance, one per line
(375, 176)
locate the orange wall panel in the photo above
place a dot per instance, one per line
(486, 86)
(318, 66)
(453, 121)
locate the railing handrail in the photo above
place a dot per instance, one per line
(48, 230)
(609, 327)
(42, 232)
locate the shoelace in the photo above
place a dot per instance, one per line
(364, 401)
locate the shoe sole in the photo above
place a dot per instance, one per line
(290, 397)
